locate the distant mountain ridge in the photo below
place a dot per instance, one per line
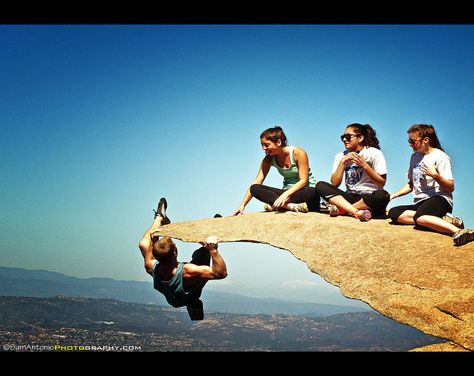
(43, 283)
(62, 321)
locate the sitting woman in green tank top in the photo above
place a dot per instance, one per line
(298, 193)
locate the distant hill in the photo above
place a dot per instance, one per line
(42, 283)
(111, 324)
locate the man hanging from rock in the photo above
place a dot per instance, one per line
(181, 283)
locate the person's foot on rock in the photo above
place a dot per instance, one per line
(301, 207)
(363, 215)
(267, 207)
(462, 237)
(454, 220)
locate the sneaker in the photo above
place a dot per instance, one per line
(333, 210)
(161, 211)
(363, 215)
(323, 207)
(268, 207)
(195, 310)
(454, 220)
(301, 207)
(462, 237)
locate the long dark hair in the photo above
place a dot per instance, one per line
(427, 130)
(274, 134)
(370, 136)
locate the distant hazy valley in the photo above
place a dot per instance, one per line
(106, 314)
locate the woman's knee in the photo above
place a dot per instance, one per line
(255, 188)
(321, 185)
(381, 195)
(324, 189)
(394, 214)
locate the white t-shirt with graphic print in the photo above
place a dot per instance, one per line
(357, 180)
(425, 186)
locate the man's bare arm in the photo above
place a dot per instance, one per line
(146, 245)
(218, 270)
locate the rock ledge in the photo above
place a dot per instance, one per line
(414, 277)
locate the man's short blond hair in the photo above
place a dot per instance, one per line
(164, 249)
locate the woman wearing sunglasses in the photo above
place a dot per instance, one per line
(363, 166)
(430, 178)
(292, 163)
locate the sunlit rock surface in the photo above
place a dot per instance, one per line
(441, 347)
(414, 277)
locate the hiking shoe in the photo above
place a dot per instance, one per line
(462, 237)
(363, 215)
(300, 208)
(161, 211)
(267, 207)
(195, 310)
(454, 220)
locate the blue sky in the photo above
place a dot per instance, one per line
(99, 121)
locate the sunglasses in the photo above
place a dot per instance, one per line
(414, 142)
(348, 136)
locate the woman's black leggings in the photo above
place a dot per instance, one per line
(437, 206)
(377, 201)
(268, 194)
